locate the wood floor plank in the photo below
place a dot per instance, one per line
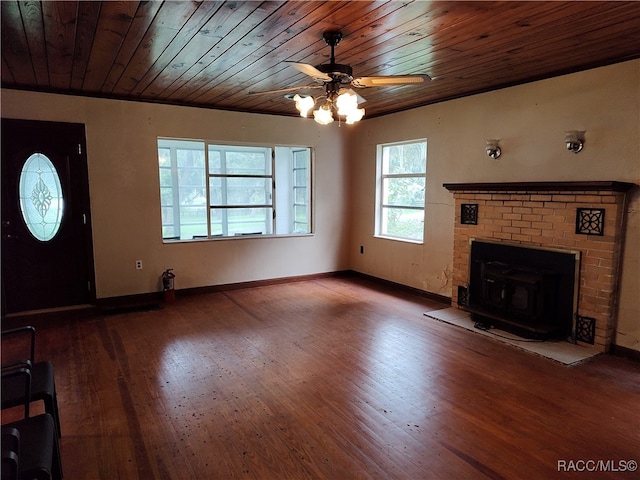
(333, 378)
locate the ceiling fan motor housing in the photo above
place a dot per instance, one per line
(339, 73)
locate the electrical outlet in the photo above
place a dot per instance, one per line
(138, 264)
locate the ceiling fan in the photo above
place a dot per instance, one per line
(336, 79)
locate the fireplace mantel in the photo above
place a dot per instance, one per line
(604, 186)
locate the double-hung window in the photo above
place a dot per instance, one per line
(211, 190)
(240, 191)
(400, 192)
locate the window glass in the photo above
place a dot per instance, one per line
(401, 190)
(237, 191)
(301, 191)
(209, 190)
(41, 199)
(183, 197)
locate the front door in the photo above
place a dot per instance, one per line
(47, 255)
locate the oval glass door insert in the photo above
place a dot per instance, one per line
(41, 201)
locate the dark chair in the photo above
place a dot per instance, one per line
(30, 447)
(10, 452)
(43, 386)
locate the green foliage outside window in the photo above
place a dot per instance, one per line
(402, 190)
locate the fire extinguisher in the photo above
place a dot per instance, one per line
(168, 285)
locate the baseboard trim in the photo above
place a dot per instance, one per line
(42, 318)
(413, 290)
(128, 301)
(256, 283)
(625, 352)
(140, 300)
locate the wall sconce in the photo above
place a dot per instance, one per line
(574, 140)
(493, 149)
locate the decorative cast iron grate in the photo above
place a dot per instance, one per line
(463, 296)
(590, 221)
(586, 329)
(469, 214)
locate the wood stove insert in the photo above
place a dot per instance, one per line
(527, 291)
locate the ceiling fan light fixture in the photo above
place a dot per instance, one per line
(355, 116)
(347, 103)
(323, 115)
(304, 103)
(341, 101)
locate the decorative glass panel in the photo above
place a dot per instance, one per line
(41, 200)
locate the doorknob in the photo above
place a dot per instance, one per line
(8, 236)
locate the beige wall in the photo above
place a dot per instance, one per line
(530, 121)
(125, 197)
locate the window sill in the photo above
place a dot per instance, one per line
(239, 237)
(398, 239)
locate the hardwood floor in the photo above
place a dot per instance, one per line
(333, 378)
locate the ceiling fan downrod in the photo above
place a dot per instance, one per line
(339, 73)
(333, 39)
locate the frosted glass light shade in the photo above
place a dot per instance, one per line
(355, 116)
(303, 104)
(347, 103)
(323, 115)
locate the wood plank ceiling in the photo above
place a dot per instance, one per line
(211, 54)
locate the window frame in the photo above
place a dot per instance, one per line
(286, 224)
(225, 177)
(381, 206)
(294, 187)
(175, 183)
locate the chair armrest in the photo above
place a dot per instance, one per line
(10, 439)
(10, 451)
(14, 365)
(8, 374)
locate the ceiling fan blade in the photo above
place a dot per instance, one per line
(389, 80)
(311, 71)
(285, 90)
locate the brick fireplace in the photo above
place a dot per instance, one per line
(583, 217)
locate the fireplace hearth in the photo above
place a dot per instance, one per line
(527, 291)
